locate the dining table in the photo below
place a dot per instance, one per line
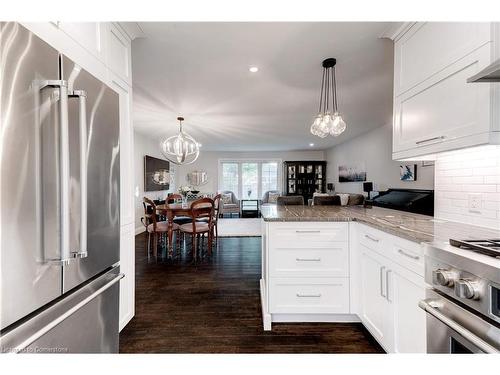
(170, 211)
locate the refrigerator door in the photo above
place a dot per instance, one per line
(94, 175)
(32, 202)
(84, 321)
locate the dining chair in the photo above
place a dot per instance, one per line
(215, 219)
(200, 209)
(153, 226)
(217, 209)
(172, 198)
(291, 200)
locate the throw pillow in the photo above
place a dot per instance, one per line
(272, 197)
(227, 198)
(344, 199)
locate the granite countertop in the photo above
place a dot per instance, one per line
(414, 227)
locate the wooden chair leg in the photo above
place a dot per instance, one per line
(148, 247)
(193, 246)
(155, 245)
(209, 243)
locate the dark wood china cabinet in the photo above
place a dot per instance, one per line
(304, 178)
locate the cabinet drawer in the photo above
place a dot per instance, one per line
(311, 296)
(307, 235)
(409, 255)
(306, 262)
(371, 238)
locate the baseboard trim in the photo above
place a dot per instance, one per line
(315, 318)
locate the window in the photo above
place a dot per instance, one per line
(230, 176)
(269, 176)
(249, 179)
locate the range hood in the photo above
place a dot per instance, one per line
(489, 74)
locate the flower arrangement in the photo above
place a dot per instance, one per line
(184, 190)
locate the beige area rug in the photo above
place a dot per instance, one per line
(239, 227)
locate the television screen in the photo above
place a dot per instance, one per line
(156, 174)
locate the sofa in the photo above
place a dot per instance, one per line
(353, 199)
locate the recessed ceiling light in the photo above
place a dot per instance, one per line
(311, 144)
(253, 69)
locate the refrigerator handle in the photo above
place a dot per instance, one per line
(62, 86)
(82, 118)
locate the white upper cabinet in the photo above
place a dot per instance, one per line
(90, 35)
(429, 47)
(435, 109)
(118, 56)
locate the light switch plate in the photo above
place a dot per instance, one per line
(474, 202)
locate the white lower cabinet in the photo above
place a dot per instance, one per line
(390, 292)
(333, 272)
(405, 291)
(375, 308)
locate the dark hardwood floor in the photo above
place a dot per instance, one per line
(214, 307)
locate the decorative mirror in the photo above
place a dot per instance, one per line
(197, 178)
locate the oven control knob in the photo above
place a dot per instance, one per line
(443, 277)
(466, 288)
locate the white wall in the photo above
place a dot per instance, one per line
(209, 162)
(146, 146)
(374, 148)
(470, 171)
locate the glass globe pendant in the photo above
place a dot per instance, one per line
(328, 121)
(339, 125)
(181, 148)
(316, 126)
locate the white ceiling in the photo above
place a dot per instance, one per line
(200, 71)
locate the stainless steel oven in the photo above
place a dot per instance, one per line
(462, 303)
(453, 329)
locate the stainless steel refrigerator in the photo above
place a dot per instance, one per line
(60, 215)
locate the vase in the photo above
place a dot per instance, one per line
(184, 201)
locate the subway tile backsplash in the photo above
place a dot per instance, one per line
(463, 175)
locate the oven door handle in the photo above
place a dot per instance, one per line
(431, 306)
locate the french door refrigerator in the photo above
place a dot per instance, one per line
(59, 201)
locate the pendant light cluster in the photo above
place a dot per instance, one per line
(328, 121)
(180, 148)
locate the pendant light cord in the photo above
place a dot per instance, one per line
(321, 93)
(335, 104)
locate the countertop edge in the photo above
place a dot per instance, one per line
(398, 232)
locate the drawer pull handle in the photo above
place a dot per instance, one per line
(308, 259)
(371, 238)
(300, 295)
(307, 231)
(440, 138)
(416, 257)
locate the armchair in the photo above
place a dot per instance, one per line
(265, 197)
(229, 206)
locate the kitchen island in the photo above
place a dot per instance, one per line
(352, 264)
